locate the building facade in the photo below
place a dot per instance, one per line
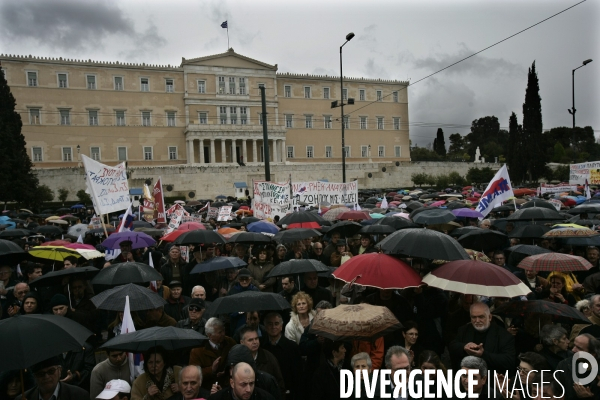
(206, 111)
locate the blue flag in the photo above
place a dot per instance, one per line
(224, 24)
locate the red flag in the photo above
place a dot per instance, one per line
(159, 202)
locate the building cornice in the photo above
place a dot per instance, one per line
(88, 63)
(290, 75)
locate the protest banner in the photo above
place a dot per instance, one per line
(544, 188)
(159, 202)
(96, 222)
(107, 186)
(316, 192)
(271, 199)
(224, 213)
(185, 253)
(578, 173)
(192, 218)
(213, 212)
(556, 203)
(176, 217)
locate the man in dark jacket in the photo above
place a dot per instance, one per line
(190, 384)
(47, 379)
(176, 301)
(265, 361)
(312, 288)
(243, 386)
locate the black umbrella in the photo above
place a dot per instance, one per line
(484, 240)
(368, 206)
(100, 231)
(434, 216)
(458, 232)
(535, 214)
(396, 222)
(506, 207)
(529, 231)
(55, 278)
(128, 272)
(10, 252)
(520, 251)
(455, 205)
(249, 220)
(583, 241)
(300, 216)
(169, 338)
(218, 263)
(562, 313)
(250, 238)
(293, 235)
(142, 224)
(345, 228)
(29, 339)
(200, 237)
(14, 233)
(423, 243)
(140, 298)
(538, 203)
(377, 229)
(414, 205)
(249, 300)
(217, 204)
(588, 222)
(588, 208)
(48, 230)
(293, 267)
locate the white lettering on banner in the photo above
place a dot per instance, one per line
(271, 199)
(224, 213)
(213, 212)
(316, 192)
(107, 185)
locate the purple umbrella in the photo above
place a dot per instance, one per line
(467, 213)
(138, 239)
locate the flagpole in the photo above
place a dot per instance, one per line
(227, 37)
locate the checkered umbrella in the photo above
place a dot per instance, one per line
(570, 233)
(333, 214)
(555, 262)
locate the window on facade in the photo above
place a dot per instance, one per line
(381, 151)
(95, 153)
(397, 123)
(221, 85)
(67, 154)
(244, 115)
(231, 85)
(242, 85)
(364, 151)
(93, 117)
(361, 94)
(147, 153)
(223, 114)
(345, 94)
(170, 118)
(309, 122)
(307, 93)
(379, 95)
(172, 153)
(233, 115)
(328, 152)
(398, 151)
(65, 117)
(379, 122)
(120, 118)
(118, 83)
(122, 153)
(34, 116)
(62, 80)
(327, 119)
(32, 79)
(201, 86)
(289, 122)
(287, 91)
(145, 84)
(309, 152)
(347, 151)
(202, 118)
(395, 97)
(346, 122)
(290, 152)
(326, 93)
(91, 82)
(37, 154)
(363, 122)
(146, 118)
(170, 85)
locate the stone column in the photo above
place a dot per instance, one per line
(283, 152)
(275, 160)
(201, 150)
(254, 152)
(212, 151)
(245, 150)
(223, 154)
(234, 154)
(190, 151)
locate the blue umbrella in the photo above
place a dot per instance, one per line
(262, 227)
(78, 206)
(4, 220)
(218, 263)
(221, 197)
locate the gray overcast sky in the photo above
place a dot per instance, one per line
(403, 40)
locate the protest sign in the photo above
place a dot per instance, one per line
(224, 213)
(107, 186)
(271, 199)
(159, 202)
(556, 203)
(557, 188)
(96, 222)
(192, 218)
(578, 173)
(316, 192)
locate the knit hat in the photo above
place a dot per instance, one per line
(244, 272)
(59, 300)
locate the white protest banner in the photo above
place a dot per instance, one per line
(213, 212)
(224, 213)
(271, 199)
(316, 192)
(185, 253)
(557, 188)
(176, 217)
(578, 173)
(108, 186)
(96, 222)
(556, 203)
(192, 218)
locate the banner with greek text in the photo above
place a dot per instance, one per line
(316, 192)
(557, 188)
(159, 202)
(107, 186)
(578, 173)
(271, 199)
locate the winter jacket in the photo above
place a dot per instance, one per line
(294, 329)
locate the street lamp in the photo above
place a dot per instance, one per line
(573, 110)
(348, 38)
(78, 156)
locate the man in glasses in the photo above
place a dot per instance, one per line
(48, 385)
(116, 366)
(195, 321)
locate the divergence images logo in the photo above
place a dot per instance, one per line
(584, 367)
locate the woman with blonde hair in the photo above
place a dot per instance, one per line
(300, 317)
(560, 288)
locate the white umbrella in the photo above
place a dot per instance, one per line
(78, 229)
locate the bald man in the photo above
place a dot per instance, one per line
(242, 386)
(485, 339)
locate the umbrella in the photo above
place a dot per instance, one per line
(63, 243)
(142, 224)
(127, 272)
(309, 225)
(53, 253)
(55, 278)
(262, 227)
(250, 238)
(345, 228)
(79, 229)
(227, 232)
(221, 196)
(29, 339)
(484, 240)
(467, 213)
(377, 229)
(294, 235)
(218, 263)
(100, 231)
(170, 237)
(293, 267)
(154, 232)
(248, 301)
(354, 322)
(478, 278)
(585, 209)
(535, 214)
(423, 243)
(249, 220)
(170, 338)
(589, 241)
(140, 298)
(200, 237)
(48, 230)
(333, 214)
(588, 222)
(570, 233)
(555, 262)
(378, 270)
(529, 231)
(139, 240)
(448, 227)
(300, 216)
(10, 252)
(396, 222)
(356, 215)
(520, 251)
(539, 203)
(190, 226)
(561, 313)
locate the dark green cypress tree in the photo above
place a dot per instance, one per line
(17, 180)
(514, 158)
(532, 128)
(440, 143)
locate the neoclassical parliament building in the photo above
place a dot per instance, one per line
(206, 111)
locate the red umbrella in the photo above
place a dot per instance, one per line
(244, 208)
(80, 246)
(170, 237)
(476, 277)
(190, 226)
(309, 225)
(555, 262)
(467, 187)
(56, 243)
(354, 215)
(378, 270)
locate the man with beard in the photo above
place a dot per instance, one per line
(481, 338)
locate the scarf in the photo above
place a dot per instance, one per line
(166, 385)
